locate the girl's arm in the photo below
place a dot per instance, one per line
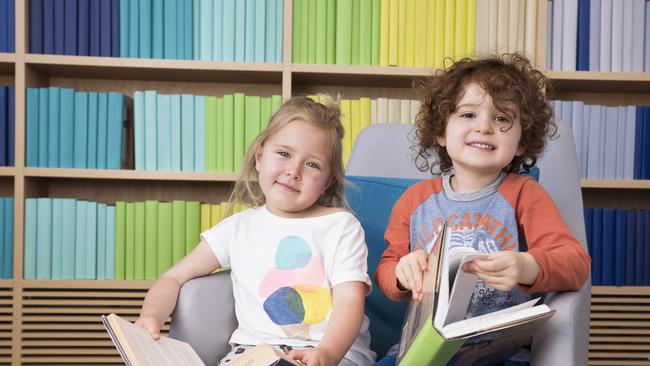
(343, 328)
(161, 297)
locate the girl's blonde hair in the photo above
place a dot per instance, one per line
(324, 115)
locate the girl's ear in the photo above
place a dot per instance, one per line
(258, 158)
(441, 140)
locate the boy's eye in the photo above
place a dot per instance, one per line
(502, 119)
(313, 165)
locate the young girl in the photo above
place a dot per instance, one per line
(485, 120)
(297, 259)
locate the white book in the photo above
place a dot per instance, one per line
(577, 109)
(393, 111)
(605, 35)
(482, 27)
(630, 133)
(493, 28)
(593, 170)
(503, 26)
(628, 20)
(556, 42)
(415, 109)
(513, 23)
(521, 27)
(602, 136)
(586, 127)
(569, 34)
(530, 44)
(405, 111)
(382, 110)
(621, 132)
(638, 21)
(549, 35)
(594, 35)
(610, 140)
(617, 35)
(567, 110)
(373, 111)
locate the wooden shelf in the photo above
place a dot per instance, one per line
(615, 184)
(354, 75)
(128, 174)
(87, 284)
(620, 290)
(6, 283)
(598, 82)
(7, 171)
(7, 62)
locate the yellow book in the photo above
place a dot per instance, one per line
(493, 18)
(355, 120)
(460, 30)
(215, 214)
(393, 32)
(429, 38)
(450, 28)
(503, 26)
(440, 33)
(401, 32)
(383, 33)
(481, 27)
(409, 35)
(531, 29)
(421, 33)
(205, 217)
(470, 44)
(344, 104)
(365, 112)
(513, 23)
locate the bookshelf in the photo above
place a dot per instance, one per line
(56, 321)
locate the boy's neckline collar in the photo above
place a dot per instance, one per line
(471, 196)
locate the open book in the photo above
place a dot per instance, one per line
(435, 327)
(137, 348)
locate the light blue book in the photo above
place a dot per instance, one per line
(31, 150)
(43, 123)
(8, 233)
(240, 30)
(110, 242)
(279, 31)
(29, 249)
(134, 28)
(157, 29)
(44, 238)
(80, 240)
(259, 37)
(101, 241)
(180, 24)
(606, 35)
(57, 238)
(217, 29)
(54, 128)
(102, 131)
(69, 225)
(3, 243)
(187, 33)
(91, 241)
(228, 30)
(164, 133)
(170, 31)
(196, 28)
(145, 22)
(93, 126)
(269, 39)
(175, 125)
(114, 130)
(80, 130)
(66, 142)
(205, 28)
(138, 129)
(150, 162)
(187, 133)
(199, 133)
(124, 28)
(594, 35)
(249, 40)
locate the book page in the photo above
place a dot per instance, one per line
(138, 348)
(462, 287)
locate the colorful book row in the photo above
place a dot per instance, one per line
(619, 244)
(599, 35)
(7, 124)
(6, 237)
(72, 129)
(7, 26)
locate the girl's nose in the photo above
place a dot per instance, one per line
(293, 172)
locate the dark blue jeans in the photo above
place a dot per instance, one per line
(391, 360)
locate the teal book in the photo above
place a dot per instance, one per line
(101, 241)
(4, 216)
(320, 36)
(91, 241)
(140, 252)
(44, 239)
(31, 127)
(144, 25)
(188, 28)
(178, 230)
(181, 8)
(296, 35)
(114, 129)
(138, 130)
(110, 242)
(252, 121)
(164, 133)
(249, 39)
(217, 30)
(195, 10)
(271, 20)
(170, 30)
(228, 137)
(240, 30)
(157, 29)
(187, 133)
(69, 226)
(151, 240)
(279, 30)
(228, 31)
(199, 133)
(134, 29)
(124, 28)
(80, 238)
(175, 126)
(205, 34)
(8, 233)
(120, 240)
(129, 245)
(67, 123)
(57, 238)
(102, 131)
(239, 120)
(219, 136)
(93, 127)
(29, 249)
(43, 124)
(54, 127)
(80, 129)
(260, 30)
(344, 32)
(165, 234)
(150, 128)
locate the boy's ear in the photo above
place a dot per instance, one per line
(520, 150)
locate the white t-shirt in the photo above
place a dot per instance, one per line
(283, 271)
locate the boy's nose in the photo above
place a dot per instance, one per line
(484, 124)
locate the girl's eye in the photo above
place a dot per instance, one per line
(467, 115)
(313, 165)
(284, 154)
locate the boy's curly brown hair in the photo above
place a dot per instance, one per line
(509, 78)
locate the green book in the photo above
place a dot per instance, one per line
(129, 242)
(164, 237)
(343, 32)
(296, 24)
(239, 118)
(151, 240)
(192, 225)
(211, 134)
(139, 251)
(355, 54)
(311, 31)
(276, 102)
(228, 137)
(178, 231)
(219, 136)
(320, 38)
(304, 29)
(365, 32)
(330, 38)
(252, 122)
(265, 112)
(375, 32)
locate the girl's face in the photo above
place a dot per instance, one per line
(480, 139)
(294, 168)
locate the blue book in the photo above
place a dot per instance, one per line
(70, 33)
(145, 28)
(36, 26)
(645, 163)
(3, 125)
(187, 133)
(4, 47)
(8, 250)
(69, 218)
(228, 31)
(180, 26)
(31, 128)
(195, 9)
(115, 28)
(67, 123)
(171, 31)
(157, 29)
(105, 28)
(110, 242)
(59, 27)
(94, 39)
(630, 249)
(150, 127)
(134, 28)
(93, 125)
(11, 125)
(48, 25)
(80, 240)
(583, 35)
(29, 247)
(620, 247)
(175, 126)
(269, 51)
(55, 127)
(11, 25)
(138, 129)
(91, 241)
(240, 31)
(597, 245)
(187, 33)
(80, 130)
(102, 130)
(608, 247)
(83, 30)
(164, 133)
(589, 217)
(57, 238)
(638, 142)
(44, 239)
(114, 130)
(259, 35)
(204, 26)
(199, 133)
(101, 242)
(43, 122)
(217, 30)
(124, 28)
(249, 32)
(640, 242)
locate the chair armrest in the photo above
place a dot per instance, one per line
(564, 339)
(204, 316)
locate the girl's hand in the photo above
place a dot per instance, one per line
(149, 323)
(313, 356)
(504, 270)
(409, 272)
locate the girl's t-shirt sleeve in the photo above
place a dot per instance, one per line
(219, 238)
(351, 256)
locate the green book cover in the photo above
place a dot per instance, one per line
(164, 237)
(355, 53)
(430, 348)
(239, 114)
(151, 240)
(228, 137)
(276, 102)
(129, 241)
(211, 134)
(320, 39)
(220, 132)
(344, 32)
(375, 31)
(178, 231)
(192, 225)
(365, 32)
(139, 251)
(330, 38)
(252, 123)
(296, 25)
(311, 31)
(265, 112)
(304, 29)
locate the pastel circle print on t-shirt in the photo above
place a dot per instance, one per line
(295, 297)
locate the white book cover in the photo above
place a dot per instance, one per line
(610, 137)
(530, 44)
(594, 35)
(630, 133)
(606, 35)
(513, 24)
(628, 23)
(602, 136)
(586, 127)
(482, 27)
(503, 26)
(593, 169)
(567, 109)
(621, 132)
(549, 35)
(617, 35)
(493, 21)
(556, 42)
(577, 109)
(382, 110)
(638, 20)
(415, 109)
(405, 111)
(521, 27)
(373, 111)
(569, 34)
(393, 111)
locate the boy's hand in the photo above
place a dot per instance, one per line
(149, 323)
(409, 272)
(313, 356)
(504, 270)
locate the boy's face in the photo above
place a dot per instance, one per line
(479, 138)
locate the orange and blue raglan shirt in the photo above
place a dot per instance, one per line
(513, 213)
